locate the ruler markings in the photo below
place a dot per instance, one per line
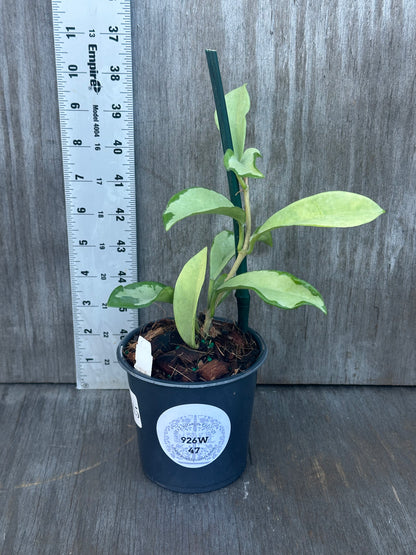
(93, 62)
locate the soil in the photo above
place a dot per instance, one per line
(226, 352)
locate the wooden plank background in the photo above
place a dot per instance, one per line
(332, 87)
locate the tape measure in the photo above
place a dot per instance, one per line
(94, 75)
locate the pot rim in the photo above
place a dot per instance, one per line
(190, 385)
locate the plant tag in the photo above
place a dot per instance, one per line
(193, 435)
(144, 359)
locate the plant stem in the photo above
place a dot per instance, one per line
(242, 251)
(240, 237)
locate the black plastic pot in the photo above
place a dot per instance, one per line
(193, 437)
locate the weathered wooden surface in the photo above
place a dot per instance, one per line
(332, 86)
(36, 318)
(331, 471)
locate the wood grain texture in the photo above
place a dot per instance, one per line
(331, 470)
(36, 318)
(332, 87)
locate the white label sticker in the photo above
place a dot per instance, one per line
(136, 412)
(193, 435)
(144, 359)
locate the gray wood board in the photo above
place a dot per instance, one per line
(332, 87)
(331, 470)
(36, 317)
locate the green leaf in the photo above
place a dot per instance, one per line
(140, 295)
(267, 238)
(222, 251)
(330, 209)
(277, 288)
(246, 167)
(185, 299)
(198, 200)
(238, 105)
(212, 292)
(219, 281)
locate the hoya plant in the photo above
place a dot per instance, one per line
(275, 287)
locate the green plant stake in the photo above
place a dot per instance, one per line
(243, 296)
(278, 288)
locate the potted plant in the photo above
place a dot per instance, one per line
(193, 412)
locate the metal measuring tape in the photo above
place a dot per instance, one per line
(94, 74)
